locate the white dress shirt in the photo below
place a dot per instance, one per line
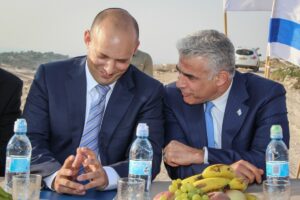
(91, 83)
(217, 113)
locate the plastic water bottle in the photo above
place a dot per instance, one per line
(18, 154)
(277, 157)
(140, 156)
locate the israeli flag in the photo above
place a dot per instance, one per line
(247, 5)
(284, 36)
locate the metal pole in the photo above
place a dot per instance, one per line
(225, 22)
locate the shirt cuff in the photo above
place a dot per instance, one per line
(205, 160)
(49, 179)
(113, 177)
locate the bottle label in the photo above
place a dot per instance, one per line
(277, 169)
(18, 164)
(138, 167)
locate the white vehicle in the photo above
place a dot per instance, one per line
(247, 58)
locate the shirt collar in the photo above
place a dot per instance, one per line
(220, 102)
(91, 82)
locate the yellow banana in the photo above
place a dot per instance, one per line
(218, 170)
(250, 196)
(192, 179)
(211, 184)
(238, 183)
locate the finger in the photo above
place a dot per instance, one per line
(101, 180)
(93, 162)
(254, 170)
(247, 174)
(88, 152)
(66, 190)
(68, 162)
(66, 169)
(66, 172)
(89, 176)
(70, 184)
(79, 158)
(96, 183)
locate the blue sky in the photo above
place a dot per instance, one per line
(58, 25)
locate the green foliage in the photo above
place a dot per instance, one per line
(28, 59)
(280, 74)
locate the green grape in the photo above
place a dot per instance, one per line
(189, 187)
(163, 197)
(178, 181)
(199, 191)
(196, 197)
(174, 182)
(184, 195)
(178, 193)
(191, 194)
(183, 188)
(205, 197)
(172, 188)
(178, 198)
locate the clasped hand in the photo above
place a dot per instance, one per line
(68, 178)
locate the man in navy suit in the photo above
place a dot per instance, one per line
(59, 103)
(236, 128)
(10, 101)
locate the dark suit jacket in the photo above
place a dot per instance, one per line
(10, 101)
(245, 136)
(55, 113)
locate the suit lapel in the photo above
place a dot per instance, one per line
(236, 110)
(195, 122)
(117, 106)
(76, 97)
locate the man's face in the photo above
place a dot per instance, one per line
(109, 54)
(195, 80)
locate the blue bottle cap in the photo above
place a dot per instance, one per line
(276, 132)
(142, 130)
(20, 125)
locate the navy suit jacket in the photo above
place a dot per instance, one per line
(244, 136)
(55, 113)
(10, 101)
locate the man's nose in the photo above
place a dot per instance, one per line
(180, 83)
(110, 66)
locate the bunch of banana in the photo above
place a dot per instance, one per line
(211, 184)
(192, 179)
(219, 177)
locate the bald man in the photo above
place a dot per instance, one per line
(82, 113)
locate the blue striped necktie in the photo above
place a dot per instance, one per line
(209, 125)
(93, 124)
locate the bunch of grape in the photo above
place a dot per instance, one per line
(186, 191)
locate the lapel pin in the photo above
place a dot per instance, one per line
(239, 112)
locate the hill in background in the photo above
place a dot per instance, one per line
(28, 59)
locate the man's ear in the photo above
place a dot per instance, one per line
(87, 38)
(137, 46)
(222, 78)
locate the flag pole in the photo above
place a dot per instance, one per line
(267, 67)
(225, 22)
(268, 61)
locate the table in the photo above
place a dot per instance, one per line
(157, 187)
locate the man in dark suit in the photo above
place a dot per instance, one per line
(215, 114)
(10, 101)
(61, 99)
